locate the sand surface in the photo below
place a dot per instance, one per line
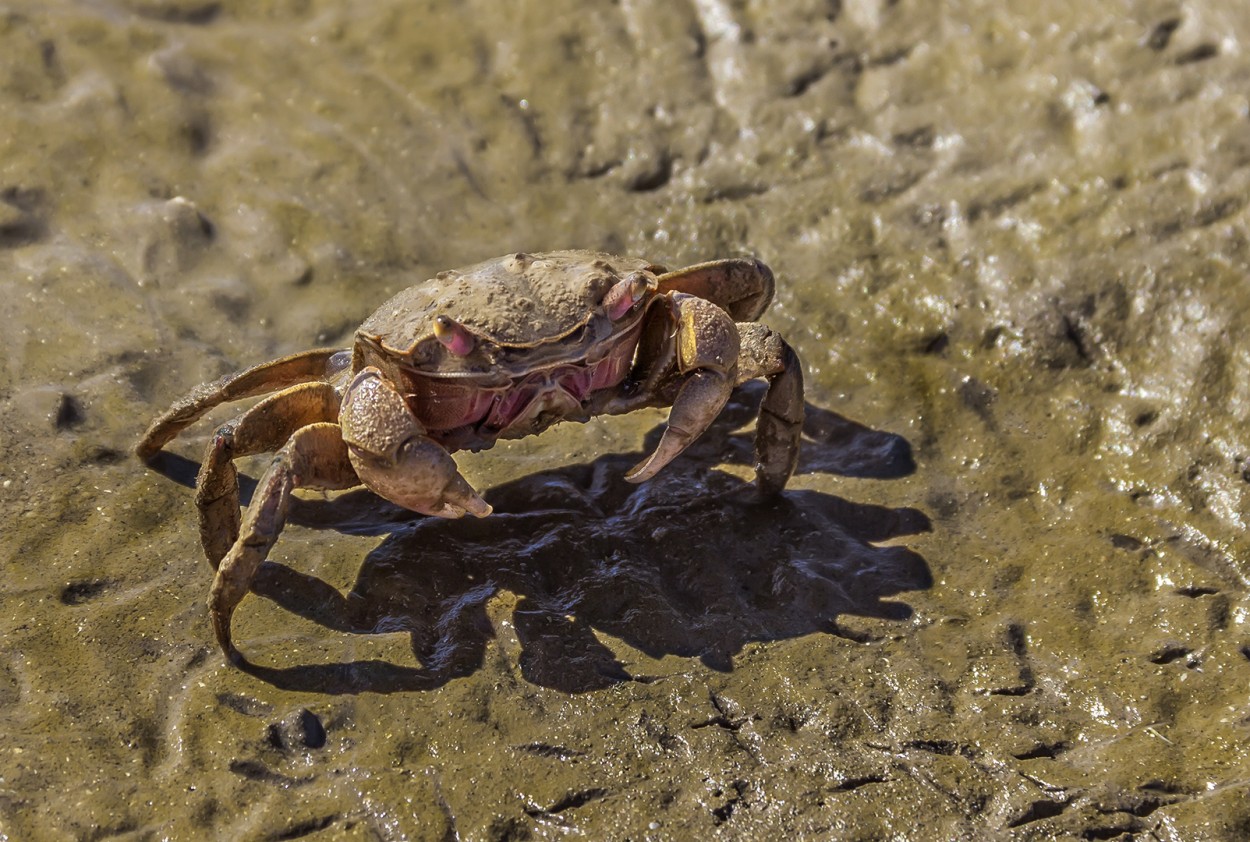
(1005, 597)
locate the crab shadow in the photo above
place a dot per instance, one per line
(690, 564)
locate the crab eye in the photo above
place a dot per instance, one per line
(453, 335)
(625, 293)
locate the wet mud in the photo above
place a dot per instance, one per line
(1004, 596)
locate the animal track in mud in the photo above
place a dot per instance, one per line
(569, 802)
(306, 828)
(852, 784)
(254, 770)
(77, 593)
(1161, 35)
(22, 217)
(1126, 542)
(193, 14)
(1175, 652)
(10, 689)
(945, 748)
(1037, 811)
(661, 735)
(723, 813)
(729, 715)
(1202, 52)
(721, 721)
(546, 750)
(1048, 751)
(244, 705)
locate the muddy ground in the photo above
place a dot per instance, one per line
(1005, 597)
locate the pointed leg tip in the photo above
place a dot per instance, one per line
(454, 510)
(643, 471)
(473, 504)
(769, 488)
(233, 656)
(767, 492)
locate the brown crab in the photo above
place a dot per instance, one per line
(502, 349)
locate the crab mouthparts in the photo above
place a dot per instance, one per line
(552, 394)
(463, 414)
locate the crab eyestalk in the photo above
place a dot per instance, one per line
(453, 336)
(625, 293)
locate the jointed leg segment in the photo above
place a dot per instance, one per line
(314, 457)
(765, 354)
(263, 428)
(258, 380)
(743, 288)
(707, 358)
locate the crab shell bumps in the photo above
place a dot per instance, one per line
(502, 349)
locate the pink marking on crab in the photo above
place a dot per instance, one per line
(613, 368)
(625, 293)
(446, 405)
(453, 335)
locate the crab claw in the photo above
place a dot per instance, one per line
(625, 293)
(392, 455)
(707, 345)
(453, 335)
(423, 477)
(700, 400)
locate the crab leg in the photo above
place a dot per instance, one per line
(314, 457)
(264, 427)
(741, 286)
(393, 456)
(257, 380)
(766, 354)
(707, 358)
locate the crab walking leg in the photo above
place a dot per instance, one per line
(257, 380)
(393, 456)
(314, 457)
(766, 354)
(741, 286)
(707, 358)
(264, 427)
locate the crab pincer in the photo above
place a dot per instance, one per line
(393, 456)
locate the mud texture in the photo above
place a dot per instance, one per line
(1004, 598)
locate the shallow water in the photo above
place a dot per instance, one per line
(1005, 595)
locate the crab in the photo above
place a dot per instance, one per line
(499, 350)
